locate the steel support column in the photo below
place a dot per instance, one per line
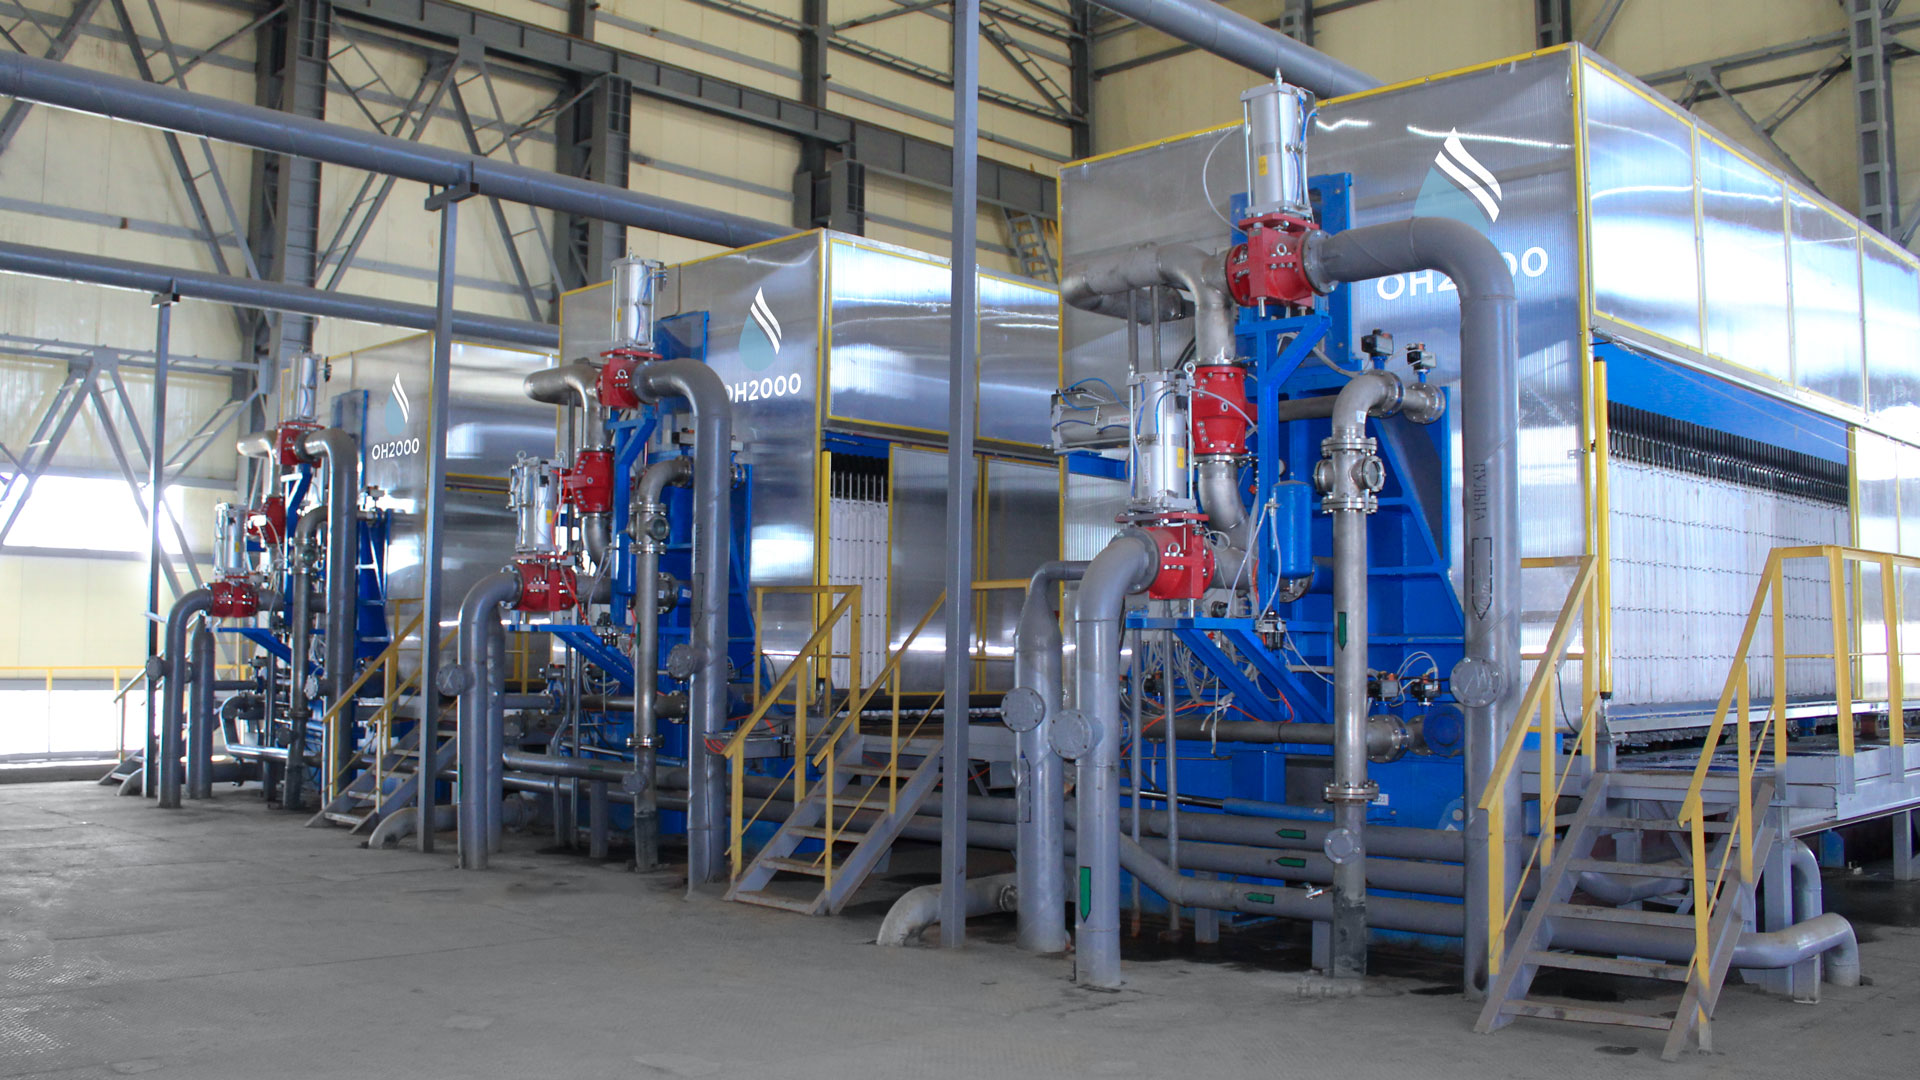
(447, 202)
(156, 479)
(284, 232)
(955, 760)
(1080, 76)
(1873, 116)
(1552, 22)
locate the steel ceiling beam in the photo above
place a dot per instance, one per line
(58, 46)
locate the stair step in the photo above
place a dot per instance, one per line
(1633, 869)
(355, 820)
(1610, 965)
(862, 799)
(796, 866)
(1622, 915)
(868, 770)
(840, 836)
(1582, 1014)
(784, 903)
(1604, 824)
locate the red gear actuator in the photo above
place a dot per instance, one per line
(547, 585)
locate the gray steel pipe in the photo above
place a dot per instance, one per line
(62, 265)
(300, 648)
(340, 453)
(200, 716)
(572, 385)
(646, 505)
(173, 718)
(1487, 681)
(1384, 741)
(1232, 36)
(1350, 499)
(1096, 285)
(69, 86)
(1842, 963)
(1038, 776)
(1775, 949)
(1125, 566)
(712, 535)
(575, 768)
(478, 710)
(1217, 480)
(919, 908)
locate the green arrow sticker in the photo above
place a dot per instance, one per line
(1086, 892)
(1260, 898)
(1340, 628)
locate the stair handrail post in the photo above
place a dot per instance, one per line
(1842, 650)
(1744, 748)
(1896, 667)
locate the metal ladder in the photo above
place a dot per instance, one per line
(860, 807)
(382, 786)
(1031, 246)
(1539, 944)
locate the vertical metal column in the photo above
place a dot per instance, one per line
(1552, 24)
(156, 481)
(1873, 116)
(1080, 76)
(963, 339)
(447, 202)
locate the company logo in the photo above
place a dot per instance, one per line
(398, 413)
(760, 337)
(1458, 186)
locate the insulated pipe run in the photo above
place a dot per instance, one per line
(478, 712)
(1232, 36)
(340, 453)
(200, 718)
(70, 86)
(1842, 966)
(712, 535)
(1487, 681)
(647, 506)
(1038, 777)
(173, 718)
(1092, 734)
(914, 912)
(1385, 740)
(1094, 285)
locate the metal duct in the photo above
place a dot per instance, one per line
(1232, 36)
(269, 295)
(69, 86)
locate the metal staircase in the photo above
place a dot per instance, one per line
(861, 807)
(1031, 245)
(1558, 932)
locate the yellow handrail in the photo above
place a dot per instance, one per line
(1535, 716)
(1770, 597)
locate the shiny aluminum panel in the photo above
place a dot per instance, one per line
(1640, 191)
(1744, 262)
(1019, 360)
(1890, 288)
(763, 308)
(1092, 504)
(586, 322)
(917, 541)
(1826, 302)
(1877, 527)
(1022, 516)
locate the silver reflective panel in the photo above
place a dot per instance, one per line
(1826, 302)
(888, 354)
(918, 534)
(1023, 530)
(1890, 287)
(1019, 360)
(1640, 183)
(1743, 228)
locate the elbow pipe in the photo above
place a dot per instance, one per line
(1487, 681)
(479, 712)
(340, 453)
(1125, 566)
(1842, 963)
(913, 913)
(712, 535)
(1232, 36)
(1099, 283)
(1038, 776)
(173, 719)
(255, 444)
(1219, 487)
(568, 386)
(70, 86)
(1803, 940)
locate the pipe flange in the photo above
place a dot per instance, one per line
(453, 679)
(1023, 709)
(683, 660)
(1365, 503)
(1363, 792)
(1073, 734)
(1342, 846)
(1477, 683)
(1360, 444)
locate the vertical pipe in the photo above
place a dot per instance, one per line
(1172, 784)
(434, 583)
(342, 457)
(200, 720)
(1039, 841)
(479, 686)
(962, 314)
(647, 509)
(173, 716)
(300, 645)
(156, 490)
(1135, 778)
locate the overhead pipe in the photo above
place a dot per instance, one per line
(340, 453)
(1487, 680)
(1091, 735)
(707, 662)
(60, 264)
(478, 686)
(1230, 35)
(648, 507)
(69, 86)
(173, 718)
(1099, 284)
(1038, 776)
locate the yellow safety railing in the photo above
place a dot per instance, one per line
(815, 657)
(49, 674)
(1770, 598)
(1536, 716)
(335, 727)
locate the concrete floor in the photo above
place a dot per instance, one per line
(226, 941)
